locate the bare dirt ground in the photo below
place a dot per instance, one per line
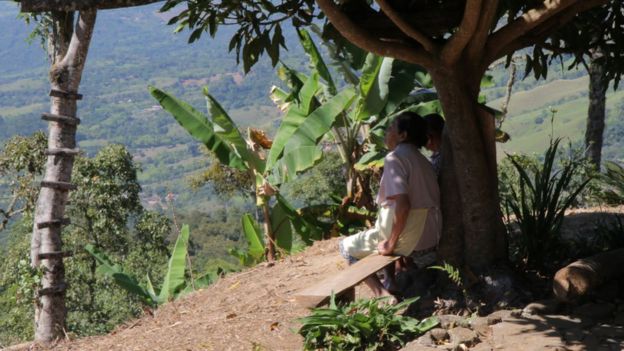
(251, 310)
(254, 309)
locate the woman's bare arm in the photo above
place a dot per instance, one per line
(401, 211)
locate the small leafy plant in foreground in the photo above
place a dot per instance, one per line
(361, 325)
(452, 272)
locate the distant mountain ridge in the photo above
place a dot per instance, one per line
(133, 48)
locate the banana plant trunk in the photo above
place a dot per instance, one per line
(68, 48)
(268, 231)
(473, 231)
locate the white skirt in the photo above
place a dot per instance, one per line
(365, 243)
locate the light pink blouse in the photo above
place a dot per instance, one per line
(407, 171)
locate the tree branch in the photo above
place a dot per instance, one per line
(407, 28)
(511, 35)
(486, 23)
(66, 74)
(525, 23)
(78, 5)
(456, 44)
(81, 38)
(366, 41)
(540, 33)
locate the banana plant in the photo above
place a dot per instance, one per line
(174, 284)
(268, 163)
(383, 87)
(255, 251)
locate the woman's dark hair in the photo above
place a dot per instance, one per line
(435, 124)
(415, 127)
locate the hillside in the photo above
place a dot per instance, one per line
(131, 49)
(529, 117)
(255, 310)
(134, 48)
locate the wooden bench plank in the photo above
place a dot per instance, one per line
(319, 293)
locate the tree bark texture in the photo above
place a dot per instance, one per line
(451, 246)
(598, 84)
(470, 175)
(46, 245)
(79, 5)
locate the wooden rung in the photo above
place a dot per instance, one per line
(60, 119)
(62, 152)
(58, 185)
(48, 224)
(53, 290)
(55, 254)
(65, 94)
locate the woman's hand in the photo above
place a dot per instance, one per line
(401, 211)
(385, 248)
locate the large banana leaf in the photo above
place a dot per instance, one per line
(350, 53)
(299, 152)
(280, 98)
(295, 116)
(230, 133)
(293, 79)
(401, 84)
(114, 271)
(316, 60)
(150, 288)
(342, 64)
(174, 279)
(426, 108)
(254, 237)
(255, 249)
(281, 227)
(374, 86)
(307, 95)
(199, 127)
(373, 159)
(303, 226)
(299, 159)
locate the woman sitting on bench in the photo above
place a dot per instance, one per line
(408, 183)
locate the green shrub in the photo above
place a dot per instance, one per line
(361, 325)
(174, 284)
(613, 183)
(538, 194)
(608, 234)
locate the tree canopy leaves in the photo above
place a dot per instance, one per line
(419, 30)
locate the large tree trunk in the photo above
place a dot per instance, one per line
(598, 84)
(469, 174)
(451, 246)
(46, 247)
